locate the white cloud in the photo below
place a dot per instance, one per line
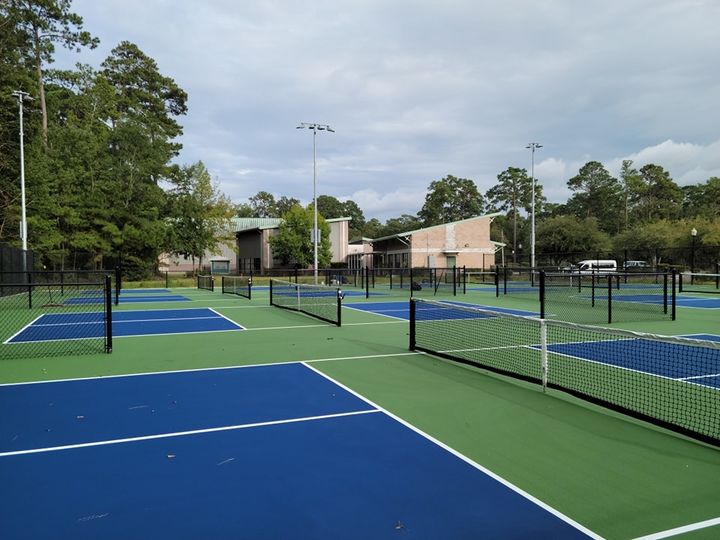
(687, 163)
(419, 89)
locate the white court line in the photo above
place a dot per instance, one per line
(182, 433)
(708, 376)
(118, 321)
(382, 314)
(227, 319)
(681, 530)
(7, 341)
(217, 368)
(463, 457)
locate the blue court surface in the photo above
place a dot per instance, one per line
(668, 360)
(256, 452)
(683, 301)
(135, 299)
(401, 310)
(330, 292)
(145, 291)
(51, 327)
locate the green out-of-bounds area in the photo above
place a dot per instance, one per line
(621, 478)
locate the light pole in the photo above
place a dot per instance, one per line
(315, 128)
(693, 235)
(21, 96)
(532, 146)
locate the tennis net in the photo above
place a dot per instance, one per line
(55, 319)
(699, 283)
(319, 301)
(669, 381)
(605, 298)
(206, 282)
(239, 285)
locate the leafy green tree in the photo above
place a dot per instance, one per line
(372, 228)
(285, 204)
(357, 218)
(244, 210)
(702, 199)
(45, 23)
(293, 243)
(199, 217)
(329, 207)
(72, 180)
(401, 224)
(16, 73)
(632, 189)
(512, 192)
(659, 196)
(568, 234)
(141, 142)
(597, 194)
(451, 199)
(264, 205)
(650, 238)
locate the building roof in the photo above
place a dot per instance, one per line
(249, 224)
(410, 233)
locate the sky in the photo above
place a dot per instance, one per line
(417, 90)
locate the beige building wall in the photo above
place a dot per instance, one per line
(339, 231)
(467, 243)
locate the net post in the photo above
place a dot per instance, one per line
(339, 308)
(455, 274)
(271, 291)
(367, 282)
(108, 314)
(680, 281)
(542, 294)
(411, 281)
(543, 351)
(118, 283)
(609, 297)
(412, 324)
(464, 279)
(250, 286)
(674, 296)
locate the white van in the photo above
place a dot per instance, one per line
(595, 266)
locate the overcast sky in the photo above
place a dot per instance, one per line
(417, 90)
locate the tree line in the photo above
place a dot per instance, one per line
(99, 143)
(642, 209)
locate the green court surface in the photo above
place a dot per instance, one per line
(620, 478)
